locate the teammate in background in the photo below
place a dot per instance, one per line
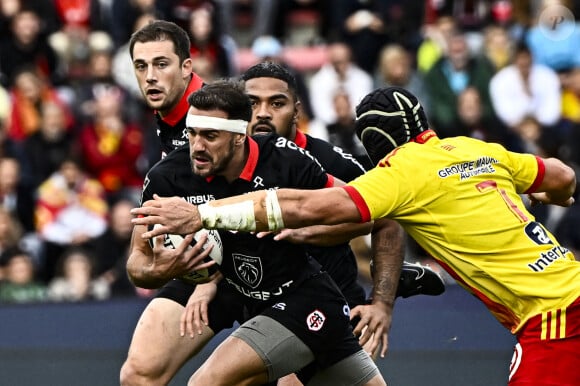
(289, 299)
(276, 107)
(160, 52)
(163, 67)
(444, 193)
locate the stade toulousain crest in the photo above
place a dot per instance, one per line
(248, 269)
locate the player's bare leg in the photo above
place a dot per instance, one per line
(235, 362)
(224, 366)
(157, 350)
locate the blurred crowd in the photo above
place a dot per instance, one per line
(76, 138)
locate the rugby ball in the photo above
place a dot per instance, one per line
(213, 239)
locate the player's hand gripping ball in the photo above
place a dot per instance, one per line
(216, 254)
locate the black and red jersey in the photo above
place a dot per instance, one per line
(171, 128)
(333, 159)
(261, 269)
(339, 261)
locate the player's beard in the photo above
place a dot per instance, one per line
(214, 167)
(282, 131)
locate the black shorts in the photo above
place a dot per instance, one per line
(318, 314)
(354, 294)
(223, 311)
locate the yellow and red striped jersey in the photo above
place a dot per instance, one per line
(459, 198)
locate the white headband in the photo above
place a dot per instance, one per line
(203, 121)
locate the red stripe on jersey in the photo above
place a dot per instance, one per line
(252, 161)
(329, 181)
(361, 205)
(503, 314)
(539, 177)
(300, 139)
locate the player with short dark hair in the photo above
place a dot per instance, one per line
(272, 90)
(297, 312)
(163, 68)
(459, 198)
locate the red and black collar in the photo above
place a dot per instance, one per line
(251, 163)
(179, 111)
(300, 139)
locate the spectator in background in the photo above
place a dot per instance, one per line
(498, 46)
(81, 22)
(46, 9)
(10, 232)
(15, 196)
(113, 248)
(180, 12)
(20, 284)
(111, 146)
(44, 150)
(122, 67)
(28, 94)
(27, 46)
(207, 41)
(435, 42)
(527, 99)
(125, 15)
(363, 27)
(4, 104)
(570, 148)
(472, 123)
(263, 11)
(396, 68)
(340, 73)
(99, 75)
(75, 280)
(8, 147)
(17, 201)
(341, 132)
(571, 95)
(71, 210)
(453, 73)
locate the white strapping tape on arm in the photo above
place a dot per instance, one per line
(236, 217)
(273, 211)
(238, 126)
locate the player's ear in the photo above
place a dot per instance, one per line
(297, 110)
(186, 67)
(240, 139)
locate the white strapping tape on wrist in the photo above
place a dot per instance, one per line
(235, 217)
(273, 211)
(238, 126)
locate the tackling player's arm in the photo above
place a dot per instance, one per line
(255, 211)
(325, 235)
(388, 248)
(557, 186)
